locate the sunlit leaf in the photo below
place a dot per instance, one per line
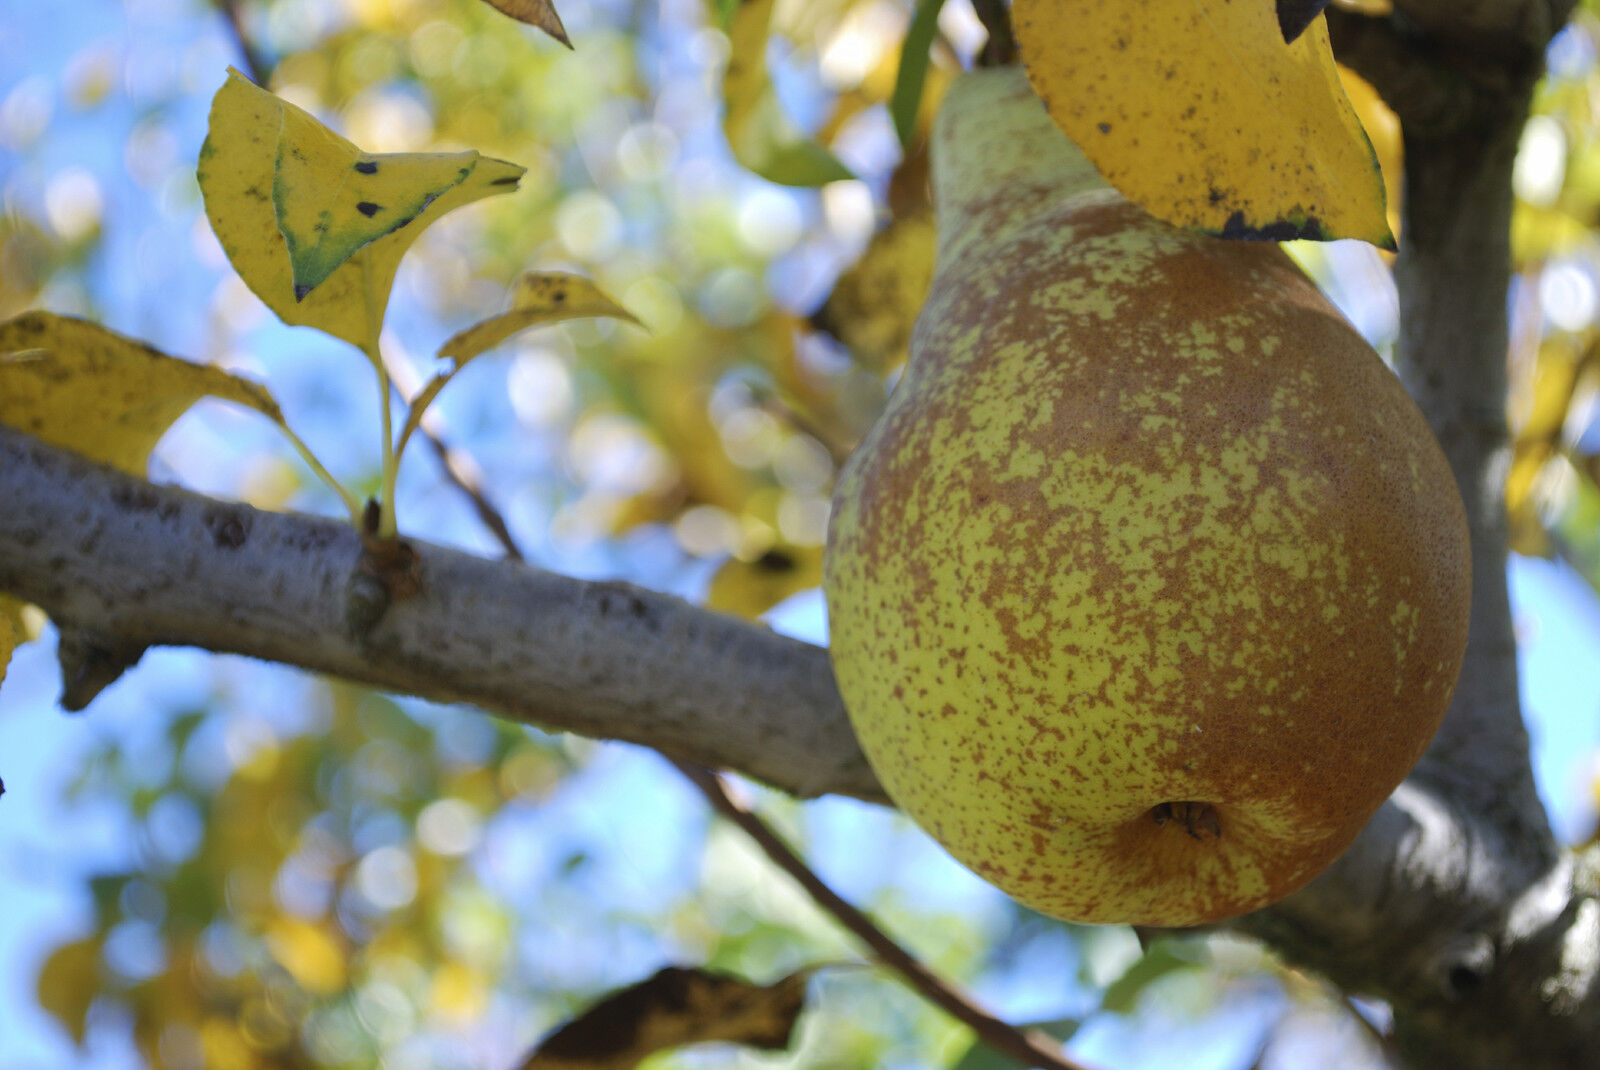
(762, 137)
(875, 302)
(78, 385)
(913, 71)
(249, 198)
(1198, 111)
(677, 1006)
(750, 588)
(539, 13)
(541, 297)
(68, 982)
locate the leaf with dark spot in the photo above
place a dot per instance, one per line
(1295, 15)
(675, 1007)
(367, 208)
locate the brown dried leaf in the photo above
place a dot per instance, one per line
(540, 13)
(675, 1007)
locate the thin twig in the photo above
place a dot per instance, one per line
(255, 64)
(458, 467)
(1001, 48)
(1030, 1048)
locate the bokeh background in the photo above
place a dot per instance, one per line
(227, 864)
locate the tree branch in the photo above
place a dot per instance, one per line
(132, 565)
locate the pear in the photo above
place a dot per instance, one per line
(1151, 583)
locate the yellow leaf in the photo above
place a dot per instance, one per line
(762, 137)
(540, 13)
(68, 982)
(750, 588)
(875, 301)
(1197, 111)
(240, 177)
(78, 385)
(313, 958)
(541, 297)
(676, 1006)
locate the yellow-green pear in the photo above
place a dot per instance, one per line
(1151, 583)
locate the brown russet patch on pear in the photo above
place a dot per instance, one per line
(1204, 566)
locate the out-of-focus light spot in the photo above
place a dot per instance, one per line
(528, 772)
(1571, 53)
(849, 211)
(1541, 166)
(959, 24)
(25, 113)
(90, 74)
(731, 298)
(750, 436)
(433, 47)
(251, 746)
(449, 827)
(709, 49)
(150, 152)
(803, 464)
(859, 44)
(655, 301)
(803, 518)
(1567, 295)
(540, 387)
(73, 203)
(768, 221)
(612, 455)
(222, 950)
(647, 151)
(134, 950)
(706, 530)
(389, 122)
(386, 1012)
(173, 827)
(387, 878)
(589, 225)
(334, 1037)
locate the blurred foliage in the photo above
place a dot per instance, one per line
(347, 881)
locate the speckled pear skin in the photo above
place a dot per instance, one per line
(1145, 523)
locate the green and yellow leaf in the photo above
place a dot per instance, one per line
(538, 13)
(541, 297)
(763, 138)
(1199, 112)
(314, 226)
(78, 385)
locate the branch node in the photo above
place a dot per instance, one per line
(91, 661)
